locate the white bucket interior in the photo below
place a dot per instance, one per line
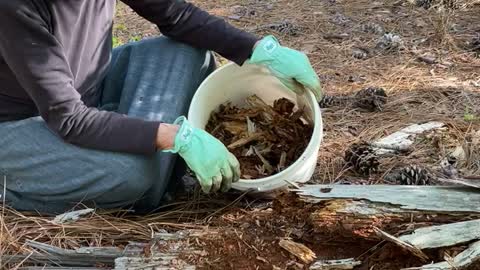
(232, 83)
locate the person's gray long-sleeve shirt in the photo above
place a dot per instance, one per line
(54, 54)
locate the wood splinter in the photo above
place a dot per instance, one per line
(300, 251)
(345, 264)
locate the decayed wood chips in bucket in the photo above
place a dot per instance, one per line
(265, 139)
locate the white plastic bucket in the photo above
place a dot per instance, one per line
(234, 83)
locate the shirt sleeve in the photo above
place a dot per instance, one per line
(187, 23)
(37, 59)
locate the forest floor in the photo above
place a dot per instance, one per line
(431, 73)
(426, 60)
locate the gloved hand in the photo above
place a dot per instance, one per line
(290, 66)
(215, 167)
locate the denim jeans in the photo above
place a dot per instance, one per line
(153, 79)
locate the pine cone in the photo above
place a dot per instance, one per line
(360, 53)
(426, 4)
(330, 101)
(362, 158)
(410, 175)
(373, 28)
(371, 99)
(327, 101)
(448, 4)
(285, 27)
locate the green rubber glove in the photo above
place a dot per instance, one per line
(215, 167)
(290, 66)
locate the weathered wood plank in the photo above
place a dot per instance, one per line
(428, 198)
(154, 263)
(466, 258)
(110, 252)
(48, 259)
(64, 257)
(345, 264)
(129, 258)
(444, 235)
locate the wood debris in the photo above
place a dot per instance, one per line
(298, 250)
(72, 216)
(403, 139)
(265, 139)
(131, 257)
(344, 264)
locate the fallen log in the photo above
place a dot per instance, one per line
(356, 210)
(358, 218)
(132, 257)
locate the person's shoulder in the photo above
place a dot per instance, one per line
(8, 6)
(12, 9)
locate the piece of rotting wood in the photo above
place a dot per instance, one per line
(164, 262)
(243, 141)
(414, 250)
(345, 264)
(298, 250)
(54, 256)
(404, 138)
(351, 218)
(51, 255)
(444, 235)
(464, 259)
(72, 216)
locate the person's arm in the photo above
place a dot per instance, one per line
(38, 61)
(187, 23)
